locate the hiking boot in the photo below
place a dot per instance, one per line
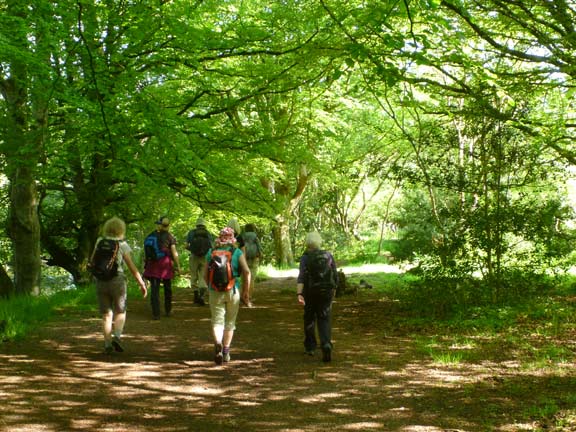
(198, 298)
(327, 353)
(108, 349)
(218, 356)
(116, 344)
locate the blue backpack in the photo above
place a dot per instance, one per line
(152, 250)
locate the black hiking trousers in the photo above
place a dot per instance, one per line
(155, 296)
(317, 313)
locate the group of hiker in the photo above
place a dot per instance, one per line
(222, 266)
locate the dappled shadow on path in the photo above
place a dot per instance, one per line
(58, 380)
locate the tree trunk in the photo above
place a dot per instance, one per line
(6, 284)
(282, 243)
(283, 246)
(25, 232)
(25, 125)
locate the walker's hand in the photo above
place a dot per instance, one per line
(143, 290)
(244, 299)
(301, 300)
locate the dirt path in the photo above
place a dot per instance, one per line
(57, 380)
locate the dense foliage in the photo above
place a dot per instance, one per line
(445, 126)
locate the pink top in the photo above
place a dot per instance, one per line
(159, 269)
(162, 268)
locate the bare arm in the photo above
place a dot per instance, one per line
(299, 289)
(175, 257)
(246, 274)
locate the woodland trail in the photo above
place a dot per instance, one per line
(58, 380)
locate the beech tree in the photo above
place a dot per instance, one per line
(121, 108)
(25, 86)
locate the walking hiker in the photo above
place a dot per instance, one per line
(161, 256)
(225, 263)
(199, 241)
(316, 284)
(106, 264)
(253, 251)
(233, 223)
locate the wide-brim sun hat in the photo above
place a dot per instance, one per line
(226, 237)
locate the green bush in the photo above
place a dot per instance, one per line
(20, 314)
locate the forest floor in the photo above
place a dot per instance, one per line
(380, 378)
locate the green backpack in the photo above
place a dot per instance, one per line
(251, 244)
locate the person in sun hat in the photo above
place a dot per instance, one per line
(233, 223)
(198, 242)
(161, 269)
(225, 302)
(112, 292)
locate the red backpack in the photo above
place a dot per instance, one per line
(220, 272)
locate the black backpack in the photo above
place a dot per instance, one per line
(220, 271)
(104, 265)
(200, 243)
(320, 276)
(152, 250)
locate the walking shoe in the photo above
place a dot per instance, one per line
(218, 357)
(309, 352)
(226, 357)
(108, 349)
(327, 353)
(116, 344)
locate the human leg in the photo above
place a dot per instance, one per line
(197, 265)
(105, 305)
(155, 297)
(117, 288)
(253, 265)
(310, 342)
(118, 328)
(119, 294)
(217, 318)
(232, 308)
(107, 330)
(324, 322)
(193, 275)
(202, 287)
(168, 296)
